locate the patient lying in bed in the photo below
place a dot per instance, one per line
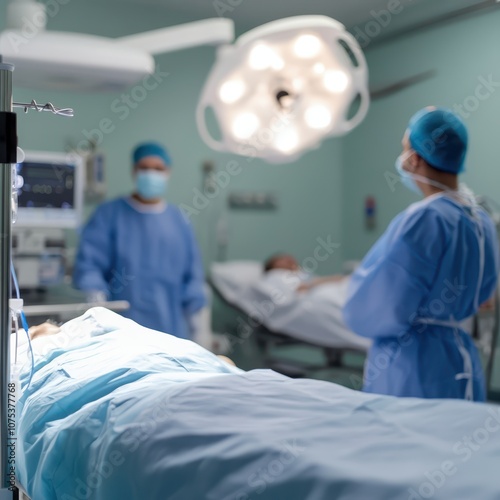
(286, 300)
(298, 280)
(47, 329)
(117, 411)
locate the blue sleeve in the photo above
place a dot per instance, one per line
(388, 288)
(94, 257)
(491, 264)
(193, 294)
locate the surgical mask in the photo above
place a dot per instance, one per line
(406, 177)
(151, 184)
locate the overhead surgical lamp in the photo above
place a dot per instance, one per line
(278, 91)
(284, 87)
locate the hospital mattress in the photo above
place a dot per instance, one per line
(271, 299)
(117, 411)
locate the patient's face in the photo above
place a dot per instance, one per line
(43, 330)
(286, 262)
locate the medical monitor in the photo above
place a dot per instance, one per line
(50, 193)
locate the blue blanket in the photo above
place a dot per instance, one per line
(121, 412)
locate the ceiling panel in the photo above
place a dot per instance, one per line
(352, 13)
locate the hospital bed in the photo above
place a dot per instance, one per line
(278, 316)
(118, 411)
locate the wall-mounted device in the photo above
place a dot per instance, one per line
(95, 177)
(50, 199)
(252, 201)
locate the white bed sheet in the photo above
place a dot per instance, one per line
(271, 299)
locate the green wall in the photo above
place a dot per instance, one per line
(308, 191)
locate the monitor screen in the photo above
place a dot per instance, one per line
(50, 193)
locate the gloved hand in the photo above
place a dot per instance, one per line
(199, 327)
(201, 332)
(96, 296)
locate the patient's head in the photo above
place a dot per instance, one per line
(281, 261)
(43, 330)
(49, 328)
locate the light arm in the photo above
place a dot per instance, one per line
(184, 36)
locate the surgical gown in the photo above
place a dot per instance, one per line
(424, 269)
(149, 258)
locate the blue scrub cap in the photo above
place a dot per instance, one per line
(150, 149)
(440, 137)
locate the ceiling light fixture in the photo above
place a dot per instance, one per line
(299, 79)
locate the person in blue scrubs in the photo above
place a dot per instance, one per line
(434, 266)
(140, 249)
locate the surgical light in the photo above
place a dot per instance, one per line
(318, 116)
(245, 125)
(336, 81)
(231, 91)
(262, 57)
(287, 141)
(319, 68)
(282, 88)
(278, 64)
(307, 46)
(298, 84)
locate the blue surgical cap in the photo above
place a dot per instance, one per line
(440, 137)
(150, 149)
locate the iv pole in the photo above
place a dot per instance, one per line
(8, 154)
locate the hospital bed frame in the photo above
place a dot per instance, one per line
(268, 340)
